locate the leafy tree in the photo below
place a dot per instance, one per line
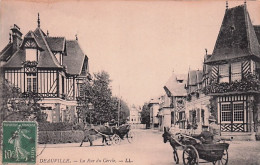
(145, 115)
(98, 92)
(19, 106)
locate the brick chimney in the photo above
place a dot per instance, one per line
(17, 37)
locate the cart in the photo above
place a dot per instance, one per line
(194, 149)
(123, 132)
(120, 133)
(217, 153)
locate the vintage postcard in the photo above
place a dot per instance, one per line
(129, 82)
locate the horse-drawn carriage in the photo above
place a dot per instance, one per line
(195, 149)
(110, 135)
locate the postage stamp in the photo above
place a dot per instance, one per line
(19, 142)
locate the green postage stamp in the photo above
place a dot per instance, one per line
(19, 142)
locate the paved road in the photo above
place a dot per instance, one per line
(148, 149)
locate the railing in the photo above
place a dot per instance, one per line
(248, 84)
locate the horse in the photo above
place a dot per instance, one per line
(102, 130)
(168, 136)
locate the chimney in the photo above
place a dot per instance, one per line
(17, 37)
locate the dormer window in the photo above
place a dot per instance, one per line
(31, 54)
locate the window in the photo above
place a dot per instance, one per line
(31, 82)
(236, 71)
(238, 112)
(203, 116)
(226, 112)
(224, 73)
(31, 55)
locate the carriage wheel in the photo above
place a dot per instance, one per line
(130, 137)
(116, 139)
(224, 159)
(190, 156)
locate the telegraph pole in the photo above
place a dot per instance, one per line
(118, 111)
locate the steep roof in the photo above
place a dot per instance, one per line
(237, 37)
(6, 53)
(46, 60)
(75, 57)
(75, 61)
(30, 35)
(174, 87)
(56, 44)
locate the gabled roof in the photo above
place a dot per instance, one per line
(174, 87)
(46, 60)
(75, 57)
(56, 44)
(237, 37)
(6, 53)
(75, 61)
(30, 35)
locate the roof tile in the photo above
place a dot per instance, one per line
(174, 87)
(56, 44)
(236, 37)
(75, 57)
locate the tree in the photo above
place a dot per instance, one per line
(19, 106)
(145, 115)
(98, 92)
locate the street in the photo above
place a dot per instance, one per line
(148, 149)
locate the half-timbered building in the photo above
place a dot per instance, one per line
(197, 102)
(174, 114)
(52, 67)
(234, 76)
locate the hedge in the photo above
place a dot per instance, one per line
(62, 126)
(55, 137)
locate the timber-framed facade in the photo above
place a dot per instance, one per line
(234, 77)
(51, 67)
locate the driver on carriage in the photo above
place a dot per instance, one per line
(112, 123)
(212, 135)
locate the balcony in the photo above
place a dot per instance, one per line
(249, 84)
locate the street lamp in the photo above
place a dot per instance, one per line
(90, 108)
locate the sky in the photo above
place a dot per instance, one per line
(139, 43)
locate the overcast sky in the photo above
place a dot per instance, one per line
(139, 43)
